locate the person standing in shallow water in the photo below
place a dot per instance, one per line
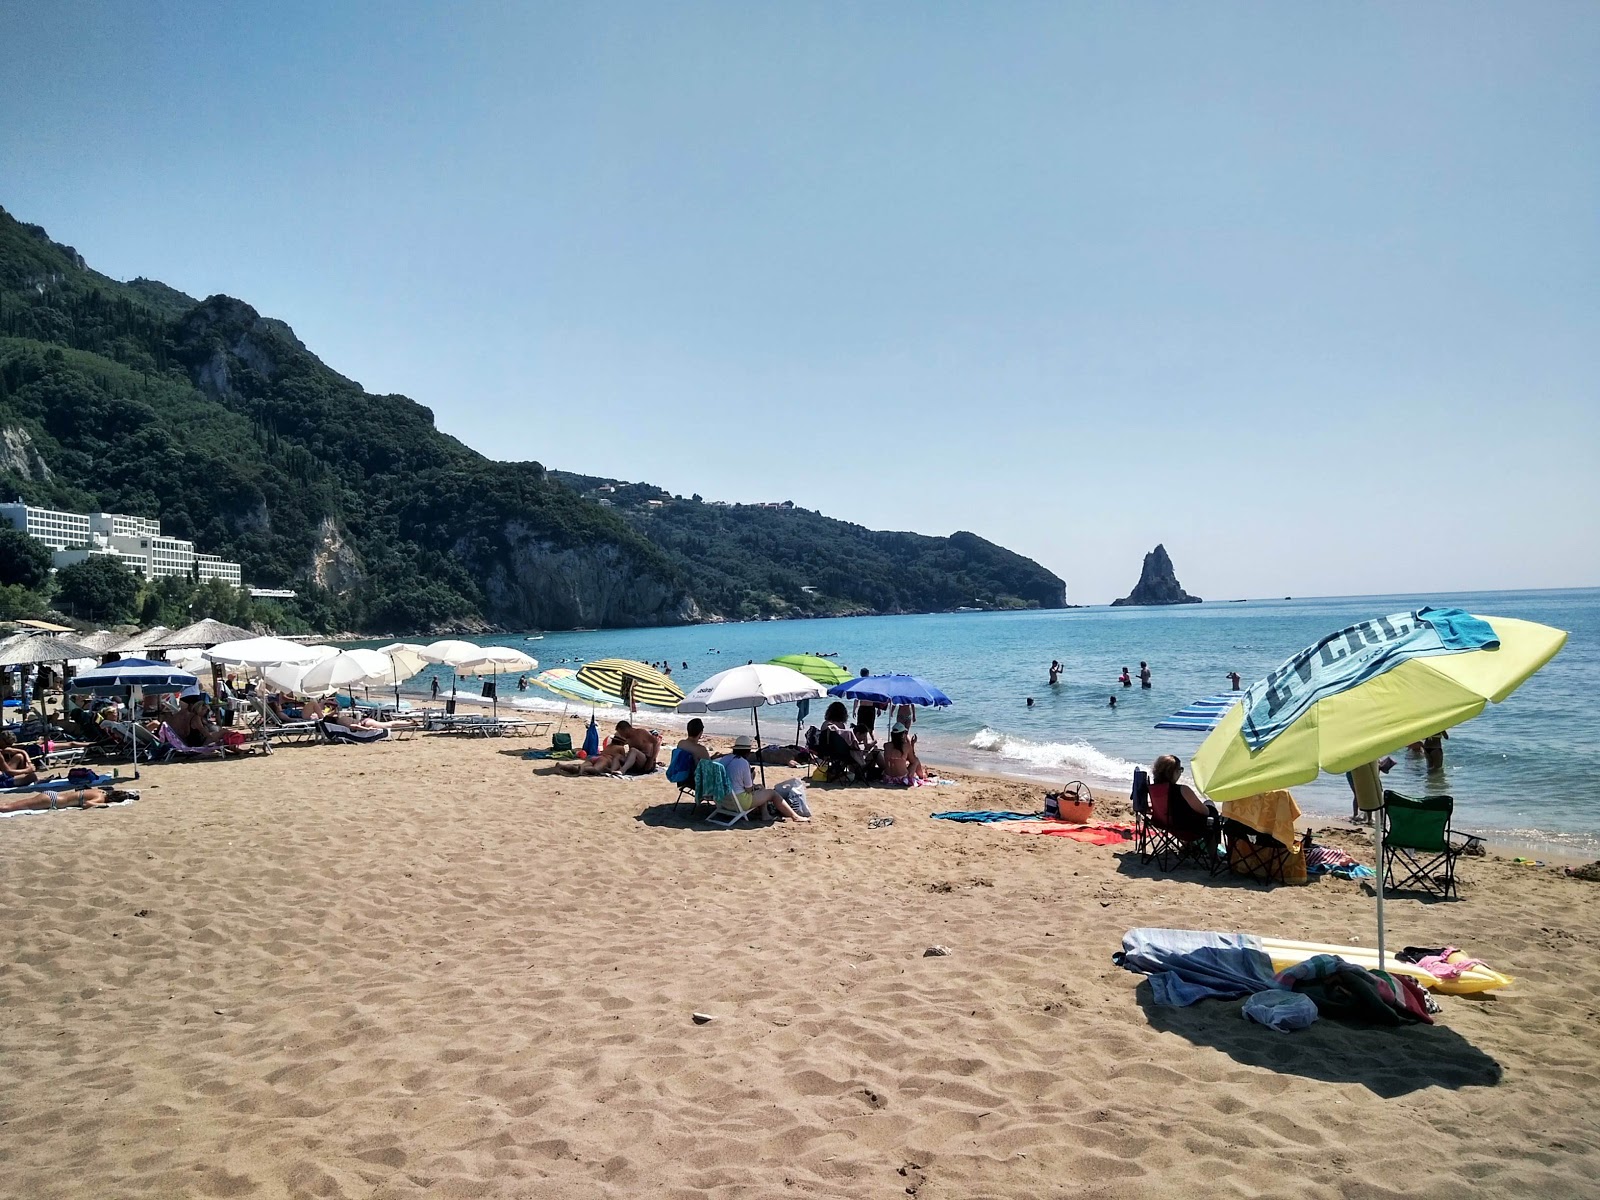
(1125, 679)
(435, 687)
(1144, 674)
(1233, 678)
(1055, 672)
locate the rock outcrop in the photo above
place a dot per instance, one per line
(1157, 583)
(20, 456)
(538, 585)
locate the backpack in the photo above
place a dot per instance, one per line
(561, 741)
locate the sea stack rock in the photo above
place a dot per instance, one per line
(1157, 583)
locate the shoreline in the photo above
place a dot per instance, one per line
(1503, 842)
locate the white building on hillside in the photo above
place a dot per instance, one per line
(136, 541)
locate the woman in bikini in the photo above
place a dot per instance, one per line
(75, 798)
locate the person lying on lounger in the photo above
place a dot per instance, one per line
(76, 798)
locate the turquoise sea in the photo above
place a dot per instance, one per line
(1520, 770)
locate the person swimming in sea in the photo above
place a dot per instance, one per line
(1125, 679)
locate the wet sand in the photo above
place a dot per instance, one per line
(431, 968)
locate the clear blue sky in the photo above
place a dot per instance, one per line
(1310, 293)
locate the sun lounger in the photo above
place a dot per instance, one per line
(338, 735)
(292, 732)
(176, 748)
(476, 726)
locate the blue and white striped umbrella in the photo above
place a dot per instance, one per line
(1203, 715)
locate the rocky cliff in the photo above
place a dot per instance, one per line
(1157, 583)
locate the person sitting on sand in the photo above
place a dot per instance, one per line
(692, 740)
(75, 798)
(737, 764)
(1175, 805)
(900, 762)
(645, 743)
(15, 764)
(632, 751)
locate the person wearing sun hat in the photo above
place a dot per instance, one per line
(737, 763)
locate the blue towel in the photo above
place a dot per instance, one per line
(59, 785)
(1187, 965)
(979, 815)
(1352, 656)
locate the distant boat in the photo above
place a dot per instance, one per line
(533, 637)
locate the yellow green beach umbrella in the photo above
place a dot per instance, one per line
(624, 679)
(1414, 698)
(822, 670)
(1363, 692)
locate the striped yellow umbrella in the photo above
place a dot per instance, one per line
(631, 682)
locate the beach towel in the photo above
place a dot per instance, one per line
(1096, 834)
(1343, 990)
(59, 785)
(1352, 656)
(1328, 860)
(976, 816)
(1189, 965)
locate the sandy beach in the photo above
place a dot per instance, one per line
(431, 968)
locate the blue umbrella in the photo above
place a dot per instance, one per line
(148, 675)
(892, 689)
(143, 673)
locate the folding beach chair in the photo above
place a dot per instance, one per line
(1253, 853)
(711, 784)
(681, 771)
(1170, 848)
(124, 734)
(1420, 848)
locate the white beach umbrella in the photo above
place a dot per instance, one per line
(752, 686)
(260, 652)
(346, 669)
(405, 661)
(498, 660)
(451, 653)
(289, 678)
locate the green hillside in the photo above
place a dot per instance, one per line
(133, 397)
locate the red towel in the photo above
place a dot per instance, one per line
(1098, 834)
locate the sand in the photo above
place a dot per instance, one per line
(429, 968)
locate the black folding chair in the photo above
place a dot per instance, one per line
(1253, 853)
(1172, 848)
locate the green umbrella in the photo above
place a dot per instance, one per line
(823, 670)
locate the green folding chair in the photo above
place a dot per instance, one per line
(1420, 847)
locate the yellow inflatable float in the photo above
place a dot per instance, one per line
(1479, 978)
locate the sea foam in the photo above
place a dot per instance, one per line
(1078, 757)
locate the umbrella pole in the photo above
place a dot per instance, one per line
(1377, 844)
(133, 733)
(761, 760)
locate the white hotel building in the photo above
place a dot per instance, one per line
(136, 541)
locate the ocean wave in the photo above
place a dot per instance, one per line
(1079, 757)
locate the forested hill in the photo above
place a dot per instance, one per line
(133, 397)
(750, 560)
